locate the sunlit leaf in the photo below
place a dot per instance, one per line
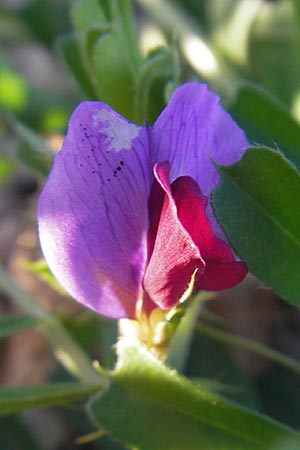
(150, 407)
(257, 203)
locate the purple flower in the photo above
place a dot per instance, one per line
(124, 214)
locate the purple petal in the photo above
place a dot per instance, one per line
(192, 130)
(93, 215)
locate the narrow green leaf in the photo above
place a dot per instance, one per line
(257, 204)
(266, 121)
(18, 398)
(12, 323)
(150, 407)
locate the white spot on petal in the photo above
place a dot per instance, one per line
(120, 133)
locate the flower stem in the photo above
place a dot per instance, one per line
(66, 350)
(126, 16)
(247, 344)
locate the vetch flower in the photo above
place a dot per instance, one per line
(125, 214)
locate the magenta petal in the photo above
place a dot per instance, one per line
(221, 269)
(174, 257)
(93, 216)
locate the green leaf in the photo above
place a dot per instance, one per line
(115, 79)
(87, 14)
(158, 69)
(257, 204)
(71, 50)
(91, 20)
(267, 121)
(150, 407)
(18, 398)
(110, 48)
(12, 323)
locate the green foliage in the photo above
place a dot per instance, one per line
(257, 203)
(110, 51)
(12, 323)
(105, 60)
(158, 397)
(17, 398)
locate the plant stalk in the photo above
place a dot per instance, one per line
(247, 344)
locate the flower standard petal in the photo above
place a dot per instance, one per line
(92, 212)
(192, 130)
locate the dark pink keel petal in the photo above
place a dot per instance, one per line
(192, 130)
(221, 269)
(174, 256)
(92, 212)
